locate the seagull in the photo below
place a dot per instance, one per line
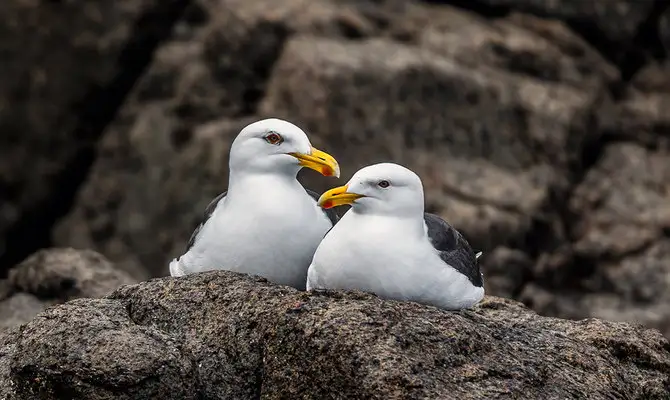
(386, 244)
(266, 223)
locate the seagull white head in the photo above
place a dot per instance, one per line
(274, 145)
(382, 189)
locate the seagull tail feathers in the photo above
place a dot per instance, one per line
(478, 255)
(176, 269)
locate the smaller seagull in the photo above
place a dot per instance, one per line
(387, 245)
(267, 223)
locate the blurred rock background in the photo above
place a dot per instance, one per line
(541, 129)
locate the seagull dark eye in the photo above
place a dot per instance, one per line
(383, 184)
(273, 138)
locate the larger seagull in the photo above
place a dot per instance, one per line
(388, 245)
(267, 223)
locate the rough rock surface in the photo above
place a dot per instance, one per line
(53, 276)
(223, 335)
(514, 112)
(7, 346)
(619, 264)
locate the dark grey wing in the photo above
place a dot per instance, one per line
(330, 213)
(208, 213)
(454, 249)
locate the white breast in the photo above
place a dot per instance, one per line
(273, 236)
(380, 255)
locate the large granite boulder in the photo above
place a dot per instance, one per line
(223, 335)
(505, 115)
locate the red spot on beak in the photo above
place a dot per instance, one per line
(326, 171)
(327, 204)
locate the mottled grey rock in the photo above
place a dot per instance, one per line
(67, 273)
(223, 335)
(617, 264)
(93, 350)
(20, 308)
(7, 346)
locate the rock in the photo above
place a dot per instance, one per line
(134, 362)
(513, 112)
(53, 276)
(640, 115)
(223, 335)
(623, 202)
(7, 346)
(506, 271)
(65, 67)
(617, 20)
(67, 273)
(520, 44)
(616, 267)
(664, 29)
(19, 308)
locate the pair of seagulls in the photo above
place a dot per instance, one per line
(268, 224)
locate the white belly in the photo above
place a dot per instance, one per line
(275, 244)
(393, 265)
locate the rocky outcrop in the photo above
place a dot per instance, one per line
(53, 276)
(617, 266)
(506, 116)
(539, 127)
(223, 335)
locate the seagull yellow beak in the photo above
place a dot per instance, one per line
(320, 162)
(337, 197)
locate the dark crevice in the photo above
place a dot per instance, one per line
(555, 226)
(33, 231)
(485, 10)
(96, 111)
(579, 272)
(264, 63)
(570, 277)
(260, 373)
(647, 38)
(541, 237)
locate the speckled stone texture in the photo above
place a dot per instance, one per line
(223, 335)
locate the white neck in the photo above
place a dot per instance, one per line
(407, 224)
(241, 179)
